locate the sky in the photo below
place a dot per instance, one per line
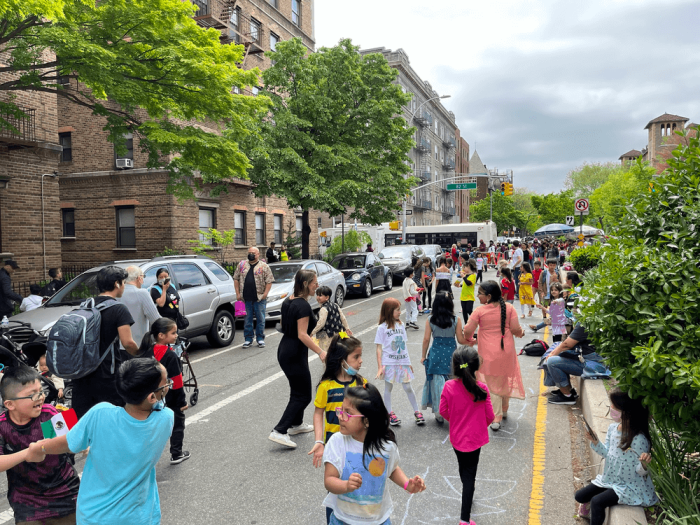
(539, 87)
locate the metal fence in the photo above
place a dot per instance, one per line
(18, 125)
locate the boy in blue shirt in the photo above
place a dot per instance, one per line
(119, 479)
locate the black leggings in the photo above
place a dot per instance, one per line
(479, 276)
(599, 498)
(467, 308)
(295, 365)
(468, 463)
(428, 291)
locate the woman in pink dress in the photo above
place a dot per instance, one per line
(498, 323)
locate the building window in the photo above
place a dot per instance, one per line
(239, 226)
(64, 139)
(260, 229)
(255, 30)
(233, 32)
(299, 225)
(128, 143)
(318, 223)
(274, 3)
(278, 229)
(296, 12)
(68, 222)
(126, 227)
(236, 90)
(274, 39)
(436, 152)
(207, 222)
(255, 91)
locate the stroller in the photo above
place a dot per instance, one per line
(189, 381)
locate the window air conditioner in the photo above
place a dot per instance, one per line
(123, 164)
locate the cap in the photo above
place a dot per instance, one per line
(12, 263)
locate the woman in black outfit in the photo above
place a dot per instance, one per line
(298, 321)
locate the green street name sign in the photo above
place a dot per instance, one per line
(462, 186)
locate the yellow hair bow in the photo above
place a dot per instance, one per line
(343, 335)
(465, 365)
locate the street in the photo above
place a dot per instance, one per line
(237, 476)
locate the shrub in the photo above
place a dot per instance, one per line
(583, 259)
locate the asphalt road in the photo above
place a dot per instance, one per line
(237, 476)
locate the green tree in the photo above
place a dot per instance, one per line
(354, 242)
(215, 244)
(554, 207)
(522, 202)
(585, 179)
(504, 213)
(335, 138)
(147, 68)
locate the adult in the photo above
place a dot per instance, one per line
(271, 254)
(298, 321)
(527, 254)
(253, 280)
(482, 246)
(443, 277)
(139, 302)
(55, 284)
(115, 325)
(165, 296)
(369, 247)
(498, 324)
(564, 362)
(7, 295)
(517, 261)
(284, 256)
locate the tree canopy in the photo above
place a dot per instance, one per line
(144, 65)
(585, 179)
(335, 138)
(554, 207)
(504, 213)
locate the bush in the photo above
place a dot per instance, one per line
(583, 259)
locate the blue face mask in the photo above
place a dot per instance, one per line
(160, 405)
(350, 370)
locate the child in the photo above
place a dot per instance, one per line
(410, 294)
(480, 268)
(625, 479)
(331, 319)
(502, 263)
(466, 404)
(507, 285)
(466, 297)
(545, 281)
(443, 325)
(556, 311)
(46, 490)
(57, 382)
(158, 343)
(359, 459)
(536, 273)
(526, 297)
(418, 278)
(120, 487)
(393, 360)
(33, 301)
(427, 284)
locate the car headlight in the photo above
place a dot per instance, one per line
(276, 298)
(355, 277)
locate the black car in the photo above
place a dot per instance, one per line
(399, 257)
(363, 272)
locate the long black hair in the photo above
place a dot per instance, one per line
(465, 363)
(368, 402)
(635, 417)
(150, 338)
(443, 312)
(338, 351)
(507, 274)
(491, 288)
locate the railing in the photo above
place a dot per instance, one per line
(18, 126)
(423, 118)
(449, 142)
(448, 163)
(423, 146)
(449, 211)
(424, 176)
(213, 13)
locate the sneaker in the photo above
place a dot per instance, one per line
(419, 418)
(300, 429)
(176, 460)
(557, 392)
(415, 326)
(439, 419)
(532, 327)
(393, 420)
(282, 439)
(427, 311)
(505, 415)
(261, 343)
(496, 425)
(561, 399)
(584, 510)
(247, 344)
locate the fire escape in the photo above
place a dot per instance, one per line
(424, 146)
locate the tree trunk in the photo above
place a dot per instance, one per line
(305, 234)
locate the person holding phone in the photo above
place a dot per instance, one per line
(165, 295)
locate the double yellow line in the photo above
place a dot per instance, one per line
(538, 453)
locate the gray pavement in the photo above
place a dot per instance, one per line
(237, 476)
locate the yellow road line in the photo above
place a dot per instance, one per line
(538, 454)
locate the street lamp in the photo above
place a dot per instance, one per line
(403, 222)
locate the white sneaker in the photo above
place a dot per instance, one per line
(495, 425)
(301, 429)
(282, 439)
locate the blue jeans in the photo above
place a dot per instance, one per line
(336, 521)
(257, 309)
(516, 278)
(558, 369)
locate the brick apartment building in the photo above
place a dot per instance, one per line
(462, 161)
(112, 209)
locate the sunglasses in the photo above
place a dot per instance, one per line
(169, 384)
(34, 397)
(344, 416)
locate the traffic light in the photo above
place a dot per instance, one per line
(504, 185)
(508, 189)
(394, 225)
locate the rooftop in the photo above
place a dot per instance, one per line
(631, 153)
(666, 117)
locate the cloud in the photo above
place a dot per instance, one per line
(540, 87)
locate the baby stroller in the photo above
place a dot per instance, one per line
(189, 381)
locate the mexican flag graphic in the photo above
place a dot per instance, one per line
(59, 425)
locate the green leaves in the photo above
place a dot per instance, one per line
(586, 258)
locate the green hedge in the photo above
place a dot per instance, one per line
(586, 258)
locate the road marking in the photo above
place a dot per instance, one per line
(538, 455)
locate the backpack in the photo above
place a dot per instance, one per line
(73, 345)
(535, 348)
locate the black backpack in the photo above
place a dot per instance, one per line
(535, 348)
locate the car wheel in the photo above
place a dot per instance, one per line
(339, 296)
(389, 282)
(367, 288)
(223, 329)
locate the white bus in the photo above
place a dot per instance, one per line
(446, 234)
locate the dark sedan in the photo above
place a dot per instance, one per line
(363, 272)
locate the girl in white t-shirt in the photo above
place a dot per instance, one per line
(393, 360)
(359, 459)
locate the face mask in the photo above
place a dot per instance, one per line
(251, 257)
(616, 415)
(349, 370)
(160, 405)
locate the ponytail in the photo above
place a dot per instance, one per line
(503, 320)
(150, 338)
(465, 363)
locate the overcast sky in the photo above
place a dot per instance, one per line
(542, 86)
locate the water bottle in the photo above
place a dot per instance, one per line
(5, 323)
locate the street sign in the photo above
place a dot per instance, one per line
(581, 207)
(580, 243)
(409, 212)
(580, 237)
(570, 220)
(462, 186)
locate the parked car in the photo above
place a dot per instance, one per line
(363, 272)
(283, 286)
(206, 291)
(398, 258)
(433, 251)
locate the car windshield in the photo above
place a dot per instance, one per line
(397, 251)
(75, 292)
(284, 273)
(349, 262)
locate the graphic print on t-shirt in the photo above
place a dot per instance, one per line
(369, 495)
(398, 344)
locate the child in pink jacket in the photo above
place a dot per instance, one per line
(466, 404)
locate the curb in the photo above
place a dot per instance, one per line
(594, 405)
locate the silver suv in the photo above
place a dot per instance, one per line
(205, 288)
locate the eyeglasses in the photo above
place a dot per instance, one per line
(34, 397)
(344, 416)
(169, 384)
